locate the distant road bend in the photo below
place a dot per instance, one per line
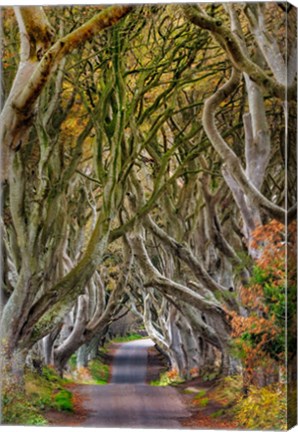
(127, 401)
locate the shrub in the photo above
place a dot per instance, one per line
(259, 338)
(228, 391)
(264, 408)
(99, 371)
(63, 400)
(168, 378)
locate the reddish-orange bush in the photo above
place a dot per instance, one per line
(259, 337)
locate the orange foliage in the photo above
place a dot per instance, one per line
(172, 374)
(259, 337)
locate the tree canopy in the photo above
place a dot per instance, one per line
(146, 165)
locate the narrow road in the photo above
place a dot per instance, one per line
(127, 401)
(130, 362)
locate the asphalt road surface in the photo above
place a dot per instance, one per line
(127, 401)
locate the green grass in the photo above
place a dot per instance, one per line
(99, 371)
(127, 338)
(41, 392)
(200, 394)
(209, 376)
(17, 409)
(47, 390)
(63, 401)
(203, 402)
(218, 413)
(166, 379)
(155, 383)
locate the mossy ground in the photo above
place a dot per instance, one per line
(43, 391)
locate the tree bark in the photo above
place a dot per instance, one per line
(231, 46)
(229, 157)
(38, 62)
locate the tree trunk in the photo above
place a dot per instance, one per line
(64, 351)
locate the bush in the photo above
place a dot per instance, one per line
(168, 378)
(264, 408)
(228, 391)
(63, 401)
(99, 371)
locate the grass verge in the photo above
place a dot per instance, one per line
(127, 338)
(167, 378)
(42, 392)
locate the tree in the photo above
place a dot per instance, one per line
(35, 213)
(159, 143)
(39, 57)
(260, 336)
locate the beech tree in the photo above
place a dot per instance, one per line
(34, 214)
(159, 141)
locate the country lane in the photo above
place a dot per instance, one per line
(128, 401)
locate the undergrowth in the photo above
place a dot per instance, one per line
(228, 391)
(47, 390)
(168, 378)
(18, 410)
(96, 372)
(42, 392)
(262, 408)
(99, 371)
(63, 401)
